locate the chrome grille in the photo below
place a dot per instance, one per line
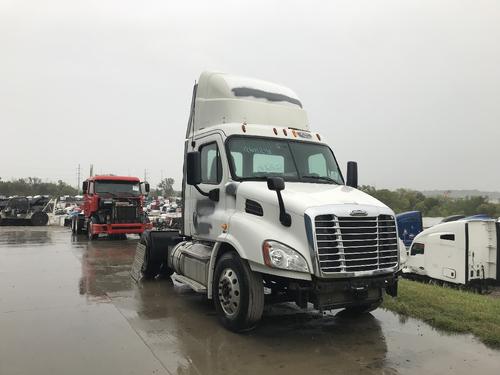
(353, 244)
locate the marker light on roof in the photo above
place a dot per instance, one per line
(244, 128)
(318, 136)
(275, 131)
(285, 132)
(294, 133)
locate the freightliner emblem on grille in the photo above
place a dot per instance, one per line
(358, 213)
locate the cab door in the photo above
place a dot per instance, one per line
(87, 197)
(207, 216)
(416, 260)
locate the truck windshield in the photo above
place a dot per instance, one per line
(121, 188)
(253, 158)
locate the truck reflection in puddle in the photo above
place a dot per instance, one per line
(180, 327)
(29, 236)
(106, 267)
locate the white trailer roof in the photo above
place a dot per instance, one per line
(223, 98)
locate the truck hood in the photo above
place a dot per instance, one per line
(298, 197)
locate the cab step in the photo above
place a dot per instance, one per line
(195, 285)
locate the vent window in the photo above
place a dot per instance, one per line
(448, 237)
(254, 208)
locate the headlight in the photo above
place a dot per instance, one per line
(278, 255)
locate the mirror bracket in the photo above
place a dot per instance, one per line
(213, 195)
(277, 184)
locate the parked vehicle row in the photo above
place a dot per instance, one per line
(32, 210)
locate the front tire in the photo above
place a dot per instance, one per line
(238, 293)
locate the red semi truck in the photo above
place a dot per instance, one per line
(112, 205)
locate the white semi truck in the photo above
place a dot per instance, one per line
(461, 252)
(267, 214)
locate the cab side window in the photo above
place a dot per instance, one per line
(417, 249)
(211, 166)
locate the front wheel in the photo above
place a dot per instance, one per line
(238, 293)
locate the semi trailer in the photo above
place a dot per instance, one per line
(267, 214)
(112, 205)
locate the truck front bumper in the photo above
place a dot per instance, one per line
(124, 228)
(329, 294)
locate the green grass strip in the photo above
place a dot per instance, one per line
(449, 309)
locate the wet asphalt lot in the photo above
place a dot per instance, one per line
(68, 306)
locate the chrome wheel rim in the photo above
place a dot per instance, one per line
(229, 292)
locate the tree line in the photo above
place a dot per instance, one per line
(35, 186)
(402, 200)
(31, 186)
(399, 200)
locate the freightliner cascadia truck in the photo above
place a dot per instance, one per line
(268, 216)
(112, 205)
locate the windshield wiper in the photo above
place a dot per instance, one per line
(323, 178)
(254, 178)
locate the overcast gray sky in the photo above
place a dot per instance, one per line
(409, 89)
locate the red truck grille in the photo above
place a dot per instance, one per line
(125, 214)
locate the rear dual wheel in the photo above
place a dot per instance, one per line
(238, 293)
(152, 267)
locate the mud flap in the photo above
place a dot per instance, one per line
(153, 249)
(392, 289)
(135, 272)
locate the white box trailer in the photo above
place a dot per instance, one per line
(462, 252)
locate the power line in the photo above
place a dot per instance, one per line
(78, 172)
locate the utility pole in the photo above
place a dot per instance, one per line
(78, 173)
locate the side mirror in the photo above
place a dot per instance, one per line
(146, 187)
(193, 168)
(85, 186)
(275, 183)
(352, 174)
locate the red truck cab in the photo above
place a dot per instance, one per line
(113, 205)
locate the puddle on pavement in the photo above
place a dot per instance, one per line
(181, 327)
